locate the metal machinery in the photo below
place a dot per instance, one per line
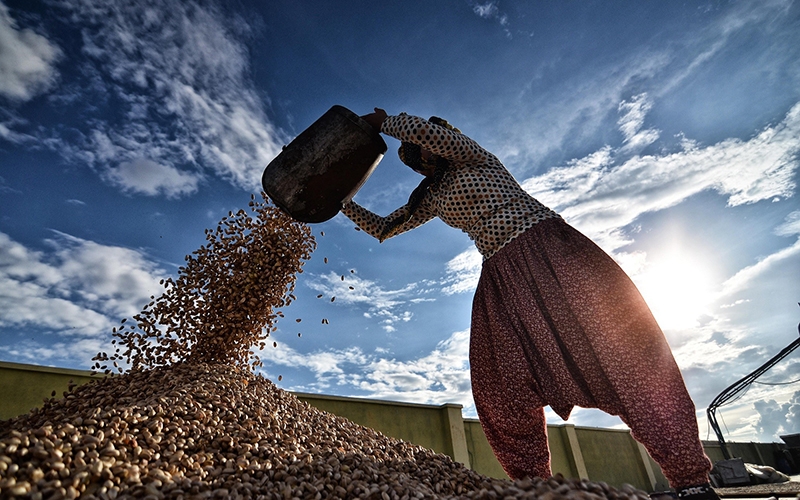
(730, 394)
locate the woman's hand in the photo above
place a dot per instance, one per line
(375, 119)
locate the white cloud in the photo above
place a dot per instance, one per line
(327, 366)
(463, 272)
(702, 350)
(486, 10)
(575, 113)
(380, 303)
(440, 376)
(78, 350)
(579, 107)
(791, 226)
(27, 60)
(744, 277)
(632, 114)
(741, 16)
(30, 304)
(148, 177)
(601, 198)
(491, 11)
(79, 287)
(630, 123)
(7, 189)
(180, 77)
(776, 419)
(8, 128)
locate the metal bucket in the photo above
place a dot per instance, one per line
(323, 166)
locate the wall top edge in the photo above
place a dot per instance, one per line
(49, 369)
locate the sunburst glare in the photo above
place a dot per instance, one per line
(678, 288)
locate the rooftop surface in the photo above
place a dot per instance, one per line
(789, 489)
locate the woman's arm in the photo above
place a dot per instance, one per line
(437, 139)
(449, 144)
(374, 224)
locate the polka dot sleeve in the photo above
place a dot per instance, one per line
(373, 224)
(456, 147)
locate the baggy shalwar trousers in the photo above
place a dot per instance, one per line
(555, 321)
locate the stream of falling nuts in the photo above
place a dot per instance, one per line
(183, 414)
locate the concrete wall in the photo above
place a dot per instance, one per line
(24, 387)
(439, 428)
(607, 455)
(752, 453)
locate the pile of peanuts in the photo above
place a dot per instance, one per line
(195, 430)
(188, 417)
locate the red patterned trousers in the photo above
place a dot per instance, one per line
(555, 321)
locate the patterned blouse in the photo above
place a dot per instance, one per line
(477, 194)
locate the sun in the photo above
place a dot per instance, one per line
(678, 288)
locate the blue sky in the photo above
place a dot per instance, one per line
(668, 132)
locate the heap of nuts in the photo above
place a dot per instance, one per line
(195, 430)
(226, 298)
(189, 418)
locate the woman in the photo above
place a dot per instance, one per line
(555, 321)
